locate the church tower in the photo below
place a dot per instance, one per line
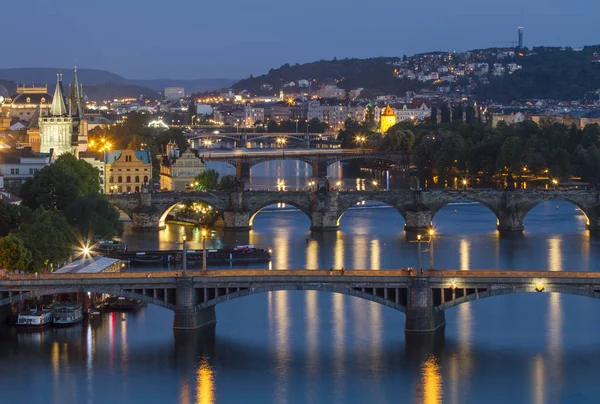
(64, 130)
(387, 120)
(56, 128)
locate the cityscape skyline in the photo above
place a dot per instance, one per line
(149, 42)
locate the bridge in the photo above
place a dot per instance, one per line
(318, 159)
(423, 298)
(245, 137)
(326, 207)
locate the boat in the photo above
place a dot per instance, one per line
(108, 246)
(66, 314)
(35, 319)
(124, 304)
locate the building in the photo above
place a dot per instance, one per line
(174, 93)
(387, 120)
(26, 102)
(252, 115)
(127, 170)
(417, 110)
(178, 170)
(96, 160)
(17, 165)
(331, 91)
(64, 128)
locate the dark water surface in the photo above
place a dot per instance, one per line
(316, 347)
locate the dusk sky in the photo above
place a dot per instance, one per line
(190, 39)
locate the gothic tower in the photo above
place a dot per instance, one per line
(56, 128)
(387, 120)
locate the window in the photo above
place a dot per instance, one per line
(128, 158)
(145, 178)
(14, 171)
(128, 179)
(137, 189)
(120, 180)
(31, 172)
(128, 188)
(110, 179)
(137, 178)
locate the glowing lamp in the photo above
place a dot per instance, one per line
(539, 287)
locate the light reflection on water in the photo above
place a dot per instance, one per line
(295, 346)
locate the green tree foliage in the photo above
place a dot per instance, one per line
(172, 134)
(398, 138)
(58, 184)
(546, 150)
(207, 180)
(14, 256)
(93, 215)
(49, 238)
(347, 136)
(11, 217)
(227, 183)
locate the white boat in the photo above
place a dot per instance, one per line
(66, 314)
(36, 318)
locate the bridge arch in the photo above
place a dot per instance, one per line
(320, 288)
(436, 208)
(347, 206)
(17, 297)
(578, 291)
(217, 202)
(305, 208)
(586, 213)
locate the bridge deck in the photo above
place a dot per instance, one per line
(300, 273)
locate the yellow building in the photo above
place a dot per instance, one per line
(387, 120)
(178, 170)
(127, 170)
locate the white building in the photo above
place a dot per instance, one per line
(252, 115)
(96, 159)
(174, 93)
(16, 166)
(331, 91)
(334, 115)
(417, 110)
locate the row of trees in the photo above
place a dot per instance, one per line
(61, 206)
(444, 150)
(208, 180)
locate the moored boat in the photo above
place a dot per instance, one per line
(66, 314)
(35, 319)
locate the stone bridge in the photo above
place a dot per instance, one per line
(325, 208)
(423, 298)
(318, 159)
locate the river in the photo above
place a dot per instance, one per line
(313, 347)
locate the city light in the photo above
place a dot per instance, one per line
(375, 183)
(207, 143)
(431, 232)
(539, 287)
(554, 181)
(203, 233)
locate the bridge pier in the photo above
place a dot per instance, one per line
(236, 220)
(242, 170)
(421, 318)
(324, 210)
(419, 219)
(319, 168)
(187, 315)
(509, 222)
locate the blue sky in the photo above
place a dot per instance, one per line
(189, 39)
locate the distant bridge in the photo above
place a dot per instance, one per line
(326, 207)
(423, 299)
(318, 159)
(245, 137)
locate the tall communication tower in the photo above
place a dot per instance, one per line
(520, 37)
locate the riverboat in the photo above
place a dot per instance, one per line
(66, 314)
(124, 304)
(34, 319)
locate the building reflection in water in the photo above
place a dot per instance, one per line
(375, 254)
(312, 343)
(339, 334)
(555, 315)
(538, 380)
(282, 344)
(359, 252)
(338, 260)
(312, 255)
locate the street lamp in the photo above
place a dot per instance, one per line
(296, 125)
(184, 256)
(431, 234)
(375, 183)
(555, 182)
(464, 183)
(204, 234)
(207, 143)
(419, 269)
(338, 184)
(281, 141)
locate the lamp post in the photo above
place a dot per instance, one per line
(184, 256)
(204, 249)
(464, 183)
(296, 125)
(431, 233)
(419, 269)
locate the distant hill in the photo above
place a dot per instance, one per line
(97, 82)
(550, 73)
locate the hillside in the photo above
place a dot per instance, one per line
(107, 81)
(548, 73)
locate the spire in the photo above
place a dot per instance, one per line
(75, 98)
(58, 107)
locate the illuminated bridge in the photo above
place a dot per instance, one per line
(317, 159)
(193, 298)
(326, 207)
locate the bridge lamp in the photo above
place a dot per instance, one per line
(554, 182)
(375, 183)
(452, 285)
(338, 184)
(464, 182)
(539, 287)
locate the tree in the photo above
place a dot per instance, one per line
(434, 115)
(11, 217)
(191, 112)
(445, 113)
(49, 237)
(398, 138)
(227, 183)
(58, 184)
(14, 255)
(206, 180)
(172, 134)
(93, 215)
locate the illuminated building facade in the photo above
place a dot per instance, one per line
(387, 120)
